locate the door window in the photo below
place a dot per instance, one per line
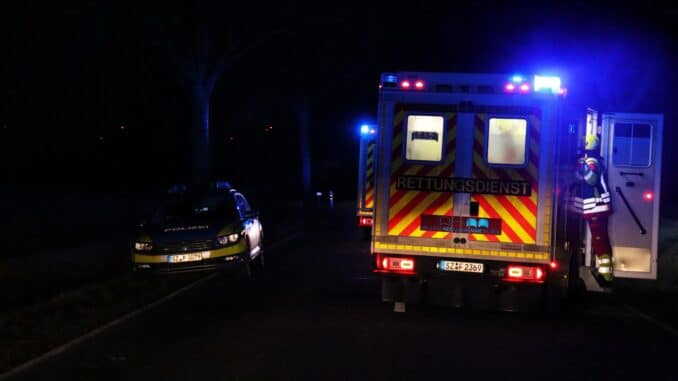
(506, 141)
(632, 144)
(242, 205)
(424, 138)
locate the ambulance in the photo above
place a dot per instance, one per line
(475, 181)
(365, 192)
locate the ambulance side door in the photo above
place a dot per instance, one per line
(632, 149)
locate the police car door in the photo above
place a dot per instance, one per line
(633, 150)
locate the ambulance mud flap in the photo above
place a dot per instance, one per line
(401, 290)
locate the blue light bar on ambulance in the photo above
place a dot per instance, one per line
(517, 78)
(364, 129)
(550, 84)
(390, 78)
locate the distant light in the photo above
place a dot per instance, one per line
(101, 138)
(405, 84)
(542, 83)
(524, 87)
(510, 87)
(517, 78)
(364, 129)
(648, 196)
(122, 127)
(318, 194)
(419, 84)
(373, 131)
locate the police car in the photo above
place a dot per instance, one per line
(196, 229)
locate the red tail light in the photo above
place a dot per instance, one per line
(400, 265)
(519, 273)
(364, 221)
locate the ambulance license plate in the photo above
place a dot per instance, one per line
(184, 258)
(465, 267)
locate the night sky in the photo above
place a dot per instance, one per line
(90, 94)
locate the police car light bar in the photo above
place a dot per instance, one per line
(222, 185)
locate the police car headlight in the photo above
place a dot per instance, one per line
(143, 246)
(227, 239)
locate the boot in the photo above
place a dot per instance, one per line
(604, 272)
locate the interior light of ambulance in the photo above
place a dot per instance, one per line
(543, 83)
(405, 84)
(648, 196)
(510, 87)
(419, 84)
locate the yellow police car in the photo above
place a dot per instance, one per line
(196, 229)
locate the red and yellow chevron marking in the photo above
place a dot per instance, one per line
(369, 176)
(405, 207)
(518, 214)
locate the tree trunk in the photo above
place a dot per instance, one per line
(199, 135)
(303, 113)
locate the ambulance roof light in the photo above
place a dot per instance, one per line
(547, 83)
(364, 129)
(390, 78)
(517, 78)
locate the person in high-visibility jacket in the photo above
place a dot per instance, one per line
(593, 203)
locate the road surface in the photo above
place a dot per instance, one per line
(314, 313)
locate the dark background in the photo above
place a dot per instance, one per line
(90, 98)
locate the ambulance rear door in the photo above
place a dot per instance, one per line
(632, 148)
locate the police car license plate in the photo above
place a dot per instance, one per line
(184, 258)
(465, 267)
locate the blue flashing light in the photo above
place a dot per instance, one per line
(223, 184)
(364, 129)
(544, 83)
(517, 78)
(390, 78)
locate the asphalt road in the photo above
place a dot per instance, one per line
(314, 313)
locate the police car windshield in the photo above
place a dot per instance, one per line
(207, 204)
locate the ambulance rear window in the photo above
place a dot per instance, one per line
(632, 144)
(506, 141)
(424, 138)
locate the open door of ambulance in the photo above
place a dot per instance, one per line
(633, 152)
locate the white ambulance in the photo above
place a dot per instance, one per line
(474, 176)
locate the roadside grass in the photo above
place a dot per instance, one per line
(35, 330)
